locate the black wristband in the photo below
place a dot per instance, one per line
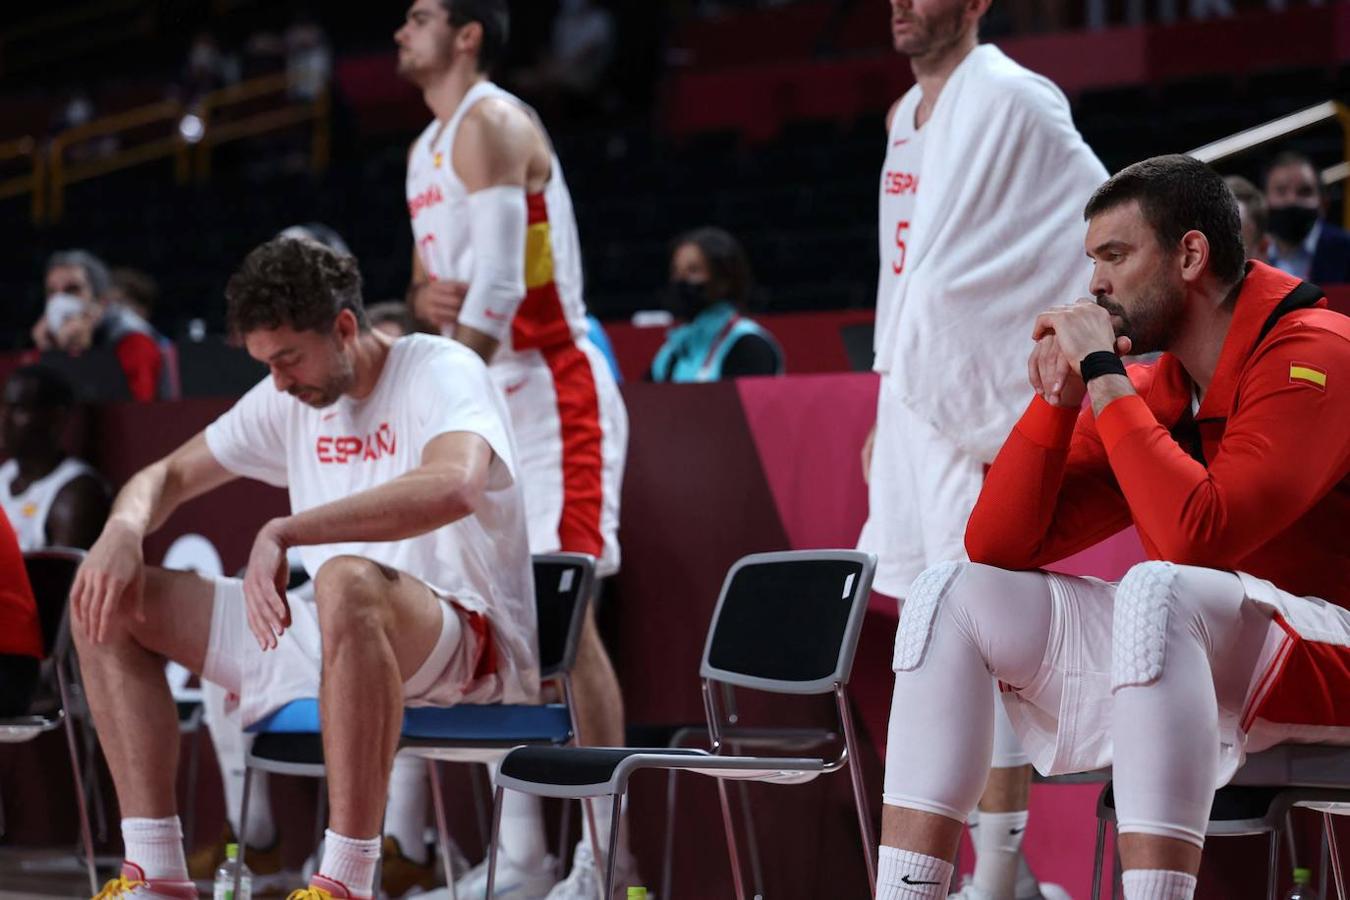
(1100, 362)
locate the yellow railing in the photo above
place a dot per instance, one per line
(1276, 129)
(166, 113)
(25, 148)
(159, 131)
(262, 121)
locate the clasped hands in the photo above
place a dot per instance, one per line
(1063, 336)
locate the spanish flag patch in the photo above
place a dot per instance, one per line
(1306, 374)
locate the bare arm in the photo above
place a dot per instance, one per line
(446, 487)
(114, 568)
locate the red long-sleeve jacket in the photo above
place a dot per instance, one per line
(1257, 479)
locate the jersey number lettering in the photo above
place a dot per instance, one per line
(898, 264)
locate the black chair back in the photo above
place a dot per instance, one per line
(789, 622)
(562, 588)
(51, 572)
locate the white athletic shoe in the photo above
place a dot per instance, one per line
(584, 883)
(513, 882)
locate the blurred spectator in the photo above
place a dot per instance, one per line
(51, 499)
(207, 68)
(20, 630)
(710, 284)
(79, 316)
(600, 338)
(1306, 244)
(1255, 219)
(392, 317)
(309, 58)
(580, 51)
(134, 290)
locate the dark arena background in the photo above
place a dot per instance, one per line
(170, 137)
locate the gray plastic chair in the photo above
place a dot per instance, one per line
(289, 741)
(785, 623)
(51, 573)
(1259, 800)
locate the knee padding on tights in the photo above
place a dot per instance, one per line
(919, 612)
(1139, 624)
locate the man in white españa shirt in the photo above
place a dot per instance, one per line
(497, 266)
(401, 471)
(979, 220)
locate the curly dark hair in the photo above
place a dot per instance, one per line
(295, 282)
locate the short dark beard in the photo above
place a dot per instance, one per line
(1157, 309)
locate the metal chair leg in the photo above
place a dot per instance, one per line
(1329, 823)
(492, 844)
(1323, 866)
(442, 832)
(751, 840)
(731, 840)
(1273, 865)
(668, 858)
(1117, 872)
(1098, 854)
(243, 818)
(93, 784)
(564, 838)
(611, 858)
(190, 801)
(480, 802)
(85, 833)
(859, 790)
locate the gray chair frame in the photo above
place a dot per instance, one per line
(25, 728)
(714, 763)
(1305, 775)
(434, 751)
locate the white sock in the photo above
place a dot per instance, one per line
(604, 809)
(227, 735)
(1028, 885)
(1158, 884)
(156, 845)
(905, 875)
(350, 862)
(522, 830)
(405, 812)
(998, 843)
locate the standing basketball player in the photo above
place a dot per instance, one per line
(980, 220)
(497, 266)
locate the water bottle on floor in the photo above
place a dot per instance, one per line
(225, 877)
(1301, 889)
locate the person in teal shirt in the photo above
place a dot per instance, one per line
(710, 283)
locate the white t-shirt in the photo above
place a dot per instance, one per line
(429, 386)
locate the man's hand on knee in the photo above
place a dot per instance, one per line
(109, 582)
(265, 586)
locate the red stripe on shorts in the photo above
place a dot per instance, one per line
(582, 458)
(1302, 684)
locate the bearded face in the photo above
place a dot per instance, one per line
(920, 28)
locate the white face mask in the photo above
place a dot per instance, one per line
(61, 308)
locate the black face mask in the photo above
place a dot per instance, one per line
(1291, 224)
(686, 299)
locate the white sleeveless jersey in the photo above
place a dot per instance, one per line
(899, 194)
(553, 311)
(28, 511)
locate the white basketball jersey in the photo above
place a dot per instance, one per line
(899, 194)
(28, 511)
(553, 311)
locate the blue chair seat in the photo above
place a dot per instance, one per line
(505, 725)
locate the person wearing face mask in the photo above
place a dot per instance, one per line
(1306, 245)
(710, 282)
(79, 316)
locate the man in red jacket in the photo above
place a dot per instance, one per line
(1232, 459)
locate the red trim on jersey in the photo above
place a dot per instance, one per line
(487, 647)
(1302, 684)
(539, 321)
(582, 457)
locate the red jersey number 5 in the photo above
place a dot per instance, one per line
(898, 264)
